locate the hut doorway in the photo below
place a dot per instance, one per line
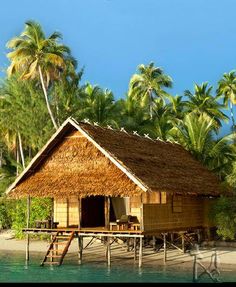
(92, 214)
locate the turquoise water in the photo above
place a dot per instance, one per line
(14, 269)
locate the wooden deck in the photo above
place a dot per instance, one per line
(96, 231)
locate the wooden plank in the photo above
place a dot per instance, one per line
(135, 248)
(107, 211)
(27, 224)
(108, 251)
(165, 250)
(140, 252)
(80, 249)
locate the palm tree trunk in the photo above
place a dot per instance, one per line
(17, 160)
(21, 150)
(232, 114)
(1, 156)
(150, 103)
(46, 98)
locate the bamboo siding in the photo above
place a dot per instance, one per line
(168, 217)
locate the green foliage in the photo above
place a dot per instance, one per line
(6, 208)
(193, 120)
(224, 215)
(40, 209)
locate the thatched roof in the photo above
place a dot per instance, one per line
(85, 159)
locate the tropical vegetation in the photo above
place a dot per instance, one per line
(42, 88)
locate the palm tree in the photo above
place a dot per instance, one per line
(202, 101)
(96, 104)
(148, 85)
(131, 115)
(35, 56)
(227, 88)
(196, 134)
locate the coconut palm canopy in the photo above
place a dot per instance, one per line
(84, 159)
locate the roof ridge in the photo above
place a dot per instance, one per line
(122, 129)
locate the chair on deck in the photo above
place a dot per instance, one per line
(127, 222)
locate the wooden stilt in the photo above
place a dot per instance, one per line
(198, 236)
(135, 248)
(108, 252)
(165, 251)
(195, 269)
(107, 212)
(182, 242)
(52, 253)
(128, 244)
(79, 212)
(172, 237)
(80, 249)
(27, 224)
(154, 242)
(140, 252)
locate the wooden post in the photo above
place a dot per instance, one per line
(128, 244)
(172, 237)
(140, 252)
(135, 248)
(195, 268)
(141, 218)
(108, 251)
(198, 236)
(164, 246)
(182, 242)
(27, 225)
(79, 212)
(80, 247)
(154, 242)
(107, 212)
(52, 214)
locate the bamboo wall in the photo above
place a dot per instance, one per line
(66, 211)
(61, 211)
(183, 212)
(155, 211)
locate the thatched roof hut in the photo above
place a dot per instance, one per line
(84, 159)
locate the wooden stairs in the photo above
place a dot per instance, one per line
(58, 248)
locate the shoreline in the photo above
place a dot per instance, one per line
(96, 253)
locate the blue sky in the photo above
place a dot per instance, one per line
(192, 40)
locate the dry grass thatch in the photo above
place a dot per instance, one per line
(70, 164)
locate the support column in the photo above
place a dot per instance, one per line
(140, 252)
(195, 269)
(198, 236)
(182, 242)
(27, 225)
(79, 212)
(80, 249)
(108, 251)
(154, 243)
(165, 251)
(135, 248)
(107, 212)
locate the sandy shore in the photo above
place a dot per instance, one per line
(96, 252)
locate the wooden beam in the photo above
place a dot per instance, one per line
(154, 242)
(140, 252)
(165, 250)
(135, 248)
(79, 211)
(27, 224)
(107, 212)
(80, 249)
(182, 242)
(108, 252)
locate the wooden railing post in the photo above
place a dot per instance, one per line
(27, 225)
(79, 212)
(107, 212)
